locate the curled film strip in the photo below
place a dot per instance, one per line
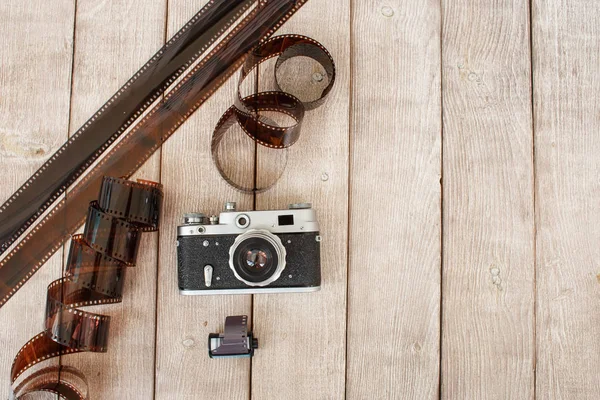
(146, 134)
(246, 110)
(94, 275)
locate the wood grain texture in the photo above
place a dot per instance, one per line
(113, 40)
(395, 246)
(488, 214)
(192, 184)
(35, 80)
(302, 353)
(566, 65)
(415, 210)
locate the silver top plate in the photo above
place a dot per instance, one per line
(238, 222)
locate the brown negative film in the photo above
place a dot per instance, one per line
(36, 350)
(246, 112)
(263, 133)
(145, 136)
(285, 47)
(94, 270)
(66, 382)
(68, 163)
(136, 202)
(112, 236)
(72, 327)
(92, 277)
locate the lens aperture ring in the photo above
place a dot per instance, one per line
(273, 272)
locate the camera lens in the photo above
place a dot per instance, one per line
(257, 258)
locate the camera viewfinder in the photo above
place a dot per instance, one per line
(286, 220)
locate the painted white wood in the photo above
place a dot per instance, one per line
(415, 210)
(395, 210)
(304, 335)
(36, 49)
(488, 250)
(566, 65)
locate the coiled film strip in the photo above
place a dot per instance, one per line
(145, 135)
(246, 111)
(94, 275)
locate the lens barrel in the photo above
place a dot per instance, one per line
(257, 257)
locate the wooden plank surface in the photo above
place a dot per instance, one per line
(488, 249)
(303, 334)
(112, 41)
(416, 210)
(192, 184)
(35, 83)
(566, 65)
(395, 246)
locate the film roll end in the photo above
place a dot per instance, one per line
(235, 342)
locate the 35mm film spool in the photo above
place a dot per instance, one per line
(145, 136)
(94, 275)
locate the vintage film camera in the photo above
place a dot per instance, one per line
(243, 252)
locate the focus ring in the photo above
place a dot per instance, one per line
(270, 238)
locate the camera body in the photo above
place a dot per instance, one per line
(243, 252)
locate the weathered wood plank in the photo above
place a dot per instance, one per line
(566, 66)
(395, 247)
(192, 183)
(488, 213)
(112, 41)
(302, 353)
(35, 83)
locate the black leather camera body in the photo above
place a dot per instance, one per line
(243, 252)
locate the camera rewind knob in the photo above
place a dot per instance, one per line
(194, 218)
(300, 206)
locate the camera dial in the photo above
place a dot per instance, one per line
(194, 218)
(257, 257)
(300, 206)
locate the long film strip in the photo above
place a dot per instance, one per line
(115, 116)
(137, 144)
